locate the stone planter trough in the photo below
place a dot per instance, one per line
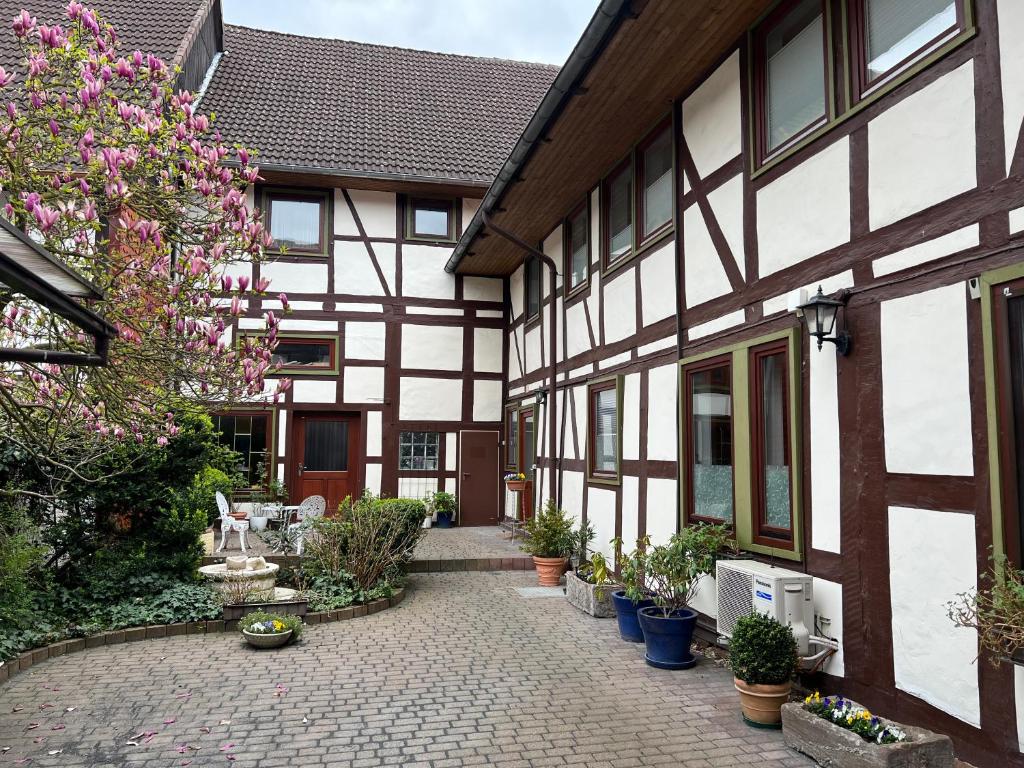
(590, 598)
(285, 608)
(834, 747)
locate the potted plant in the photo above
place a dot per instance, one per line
(444, 505)
(670, 573)
(632, 597)
(550, 542)
(590, 587)
(763, 656)
(515, 481)
(996, 611)
(270, 630)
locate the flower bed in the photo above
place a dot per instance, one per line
(846, 714)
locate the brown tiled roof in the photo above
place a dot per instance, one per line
(153, 26)
(343, 106)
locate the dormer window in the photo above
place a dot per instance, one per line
(431, 219)
(296, 220)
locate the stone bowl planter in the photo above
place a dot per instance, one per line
(835, 747)
(267, 639)
(590, 598)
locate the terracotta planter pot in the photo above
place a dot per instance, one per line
(762, 704)
(515, 485)
(549, 570)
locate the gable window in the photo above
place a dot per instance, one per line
(773, 516)
(654, 183)
(577, 229)
(709, 460)
(791, 74)
(604, 437)
(303, 353)
(889, 35)
(431, 219)
(618, 197)
(531, 288)
(418, 451)
(297, 220)
(512, 438)
(248, 434)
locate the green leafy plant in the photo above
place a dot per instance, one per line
(258, 622)
(595, 571)
(995, 610)
(202, 493)
(444, 504)
(762, 651)
(581, 538)
(550, 532)
(381, 537)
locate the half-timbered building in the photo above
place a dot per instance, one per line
(695, 173)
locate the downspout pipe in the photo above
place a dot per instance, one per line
(552, 408)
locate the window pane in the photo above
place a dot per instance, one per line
(418, 450)
(532, 288)
(773, 427)
(620, 215)
(295, 223)
(579, 233)
(529, 449)
(290, 353)
(326, 446)
(795, 64)
(658, 182)
(711, 431)
(512, 452)
(431, 221)
(606, 431)
(897, 29)
(1015, 323)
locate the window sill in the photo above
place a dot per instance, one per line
(604, 480)
(771, 552)
(429, 240)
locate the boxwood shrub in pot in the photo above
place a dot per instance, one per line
(763, 656)
(550, 542)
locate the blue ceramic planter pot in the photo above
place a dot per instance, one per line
(444, 521)
(625, 612)
(668, 638)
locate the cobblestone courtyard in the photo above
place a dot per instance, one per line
(464, 672)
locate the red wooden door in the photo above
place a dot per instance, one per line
(479, 465)
(325, 451)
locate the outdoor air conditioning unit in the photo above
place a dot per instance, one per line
(746, 586)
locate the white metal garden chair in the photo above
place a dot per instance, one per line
(310, 509)
(229, 524)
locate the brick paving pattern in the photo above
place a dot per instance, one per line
(467, 543)
(464, 672)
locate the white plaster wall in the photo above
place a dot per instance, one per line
(656, 346)
(308, 325)
(486, 400)
(631, 416)
(727, 204)
(516, 365)
(630, 510)
(924, 639)
(1016, 220)
(292, 277)
(787, 302)
(482, 289)
(469, 207)
(432, 346)
(373, 473)
(450, 451)
(612, 361)
(1011, 63)
(423, 272)
(376, 211)
(494, 314)
(314, 391)
(704, 275)
(577, 339)
(705, 596)
(805, 211)
(572, 493)
(620, 306)
(662, 429)
(515, 294)
(936, 248)
(282, 432)
(344, 224)
(428, 399)
(364, 341)
(601, 514)
(358, 306)
(374, 433)
(354, 272)
(579, 401)
(718, 324)
(657, 285)
(711, 118)
(828, 603)
(926, 404)
(662, 506)
(552, 246)
(487, 349)
(534, 352)
(905, 142)
(275, 304)
(823, 396)
(385, 253)
(364, 385)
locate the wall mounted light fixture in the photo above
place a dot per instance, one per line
(820, 315)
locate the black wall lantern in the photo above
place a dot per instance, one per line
(820, 315)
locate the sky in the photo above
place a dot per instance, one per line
(530, 30)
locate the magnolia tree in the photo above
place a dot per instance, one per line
(120, 176)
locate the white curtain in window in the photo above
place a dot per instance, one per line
(897, 29)
(295, 223)
(606, 430)
(795, 74)
(620, 216)
(658, 183)
(578, 242)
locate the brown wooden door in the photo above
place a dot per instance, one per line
(527, 458)
(325, 457)
(479, 476)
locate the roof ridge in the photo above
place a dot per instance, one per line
(445, 54)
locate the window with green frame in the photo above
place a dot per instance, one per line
(740, 442)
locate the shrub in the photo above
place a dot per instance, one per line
(294, 623)
(202, 493)
(550, 532)
(20, 557)
(381, 537)
(762, 651)
(995, 610)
